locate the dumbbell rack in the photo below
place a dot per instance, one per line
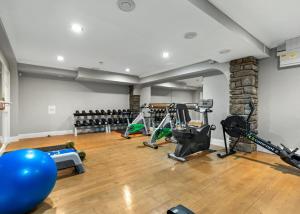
(99, 121)
(157, 115)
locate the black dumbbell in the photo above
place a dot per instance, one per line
(108, 112)
(97, 121)
(91, 112)
(85, 123)
(103, 121)
(97, 112)
(121, 121)
(124, 121)
(91, 122)
(103, 112)
(115, 121)
(77, 123)
(110, 121)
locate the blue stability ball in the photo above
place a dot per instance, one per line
(27, 177)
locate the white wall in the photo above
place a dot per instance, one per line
(279, 103)
(217, 88)
(37, 93)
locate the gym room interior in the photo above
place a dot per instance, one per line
(131, 106)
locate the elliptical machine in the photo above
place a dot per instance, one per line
(192, 139)
(238, 126)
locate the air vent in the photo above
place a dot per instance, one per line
(126, 5)
(190, 35)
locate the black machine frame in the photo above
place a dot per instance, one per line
(238, 126)
(191, 139)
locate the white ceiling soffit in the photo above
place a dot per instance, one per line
(102, 76)
(40, 30)
(194, 82)
(176, 85)
(272, 22)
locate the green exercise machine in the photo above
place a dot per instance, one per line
(137, 125)
(164, 129)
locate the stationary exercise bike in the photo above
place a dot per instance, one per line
(164, 129)
(192, 139)
(137, 125)
(238, 126)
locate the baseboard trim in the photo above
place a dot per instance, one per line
(13, 139)
(10, 139)
(44, 134)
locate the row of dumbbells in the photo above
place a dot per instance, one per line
(103, 113)
(102, 118)
(101, 122)
(159, 114)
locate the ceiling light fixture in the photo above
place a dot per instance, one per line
(126, 5)
(190, 35)
(77, 28)
(127, 69)
(60, 58)
(165, 55)
(225, 51)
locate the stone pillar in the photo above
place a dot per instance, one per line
(134, 100)
(243, 87)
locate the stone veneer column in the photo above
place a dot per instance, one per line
(134, 100)
(243, 87)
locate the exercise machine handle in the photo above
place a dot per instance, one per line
(252, 108)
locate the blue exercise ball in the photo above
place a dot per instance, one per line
(27, 177)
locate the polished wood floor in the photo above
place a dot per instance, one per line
(122, 176)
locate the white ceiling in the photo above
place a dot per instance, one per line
(270, 21)
(40, 30)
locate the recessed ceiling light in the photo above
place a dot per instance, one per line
(60, 58)
(190, 35)
(77, 28)
(126, 5)
(165, 54)
(225, 51)
(127, 69)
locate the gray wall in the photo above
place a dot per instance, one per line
(0, 97)
(36, 93)
(279, 103)
(166, 95)
(217, 88)
(14, 98)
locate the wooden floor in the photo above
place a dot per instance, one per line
(122, 176)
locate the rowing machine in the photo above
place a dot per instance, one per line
(238, 126)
